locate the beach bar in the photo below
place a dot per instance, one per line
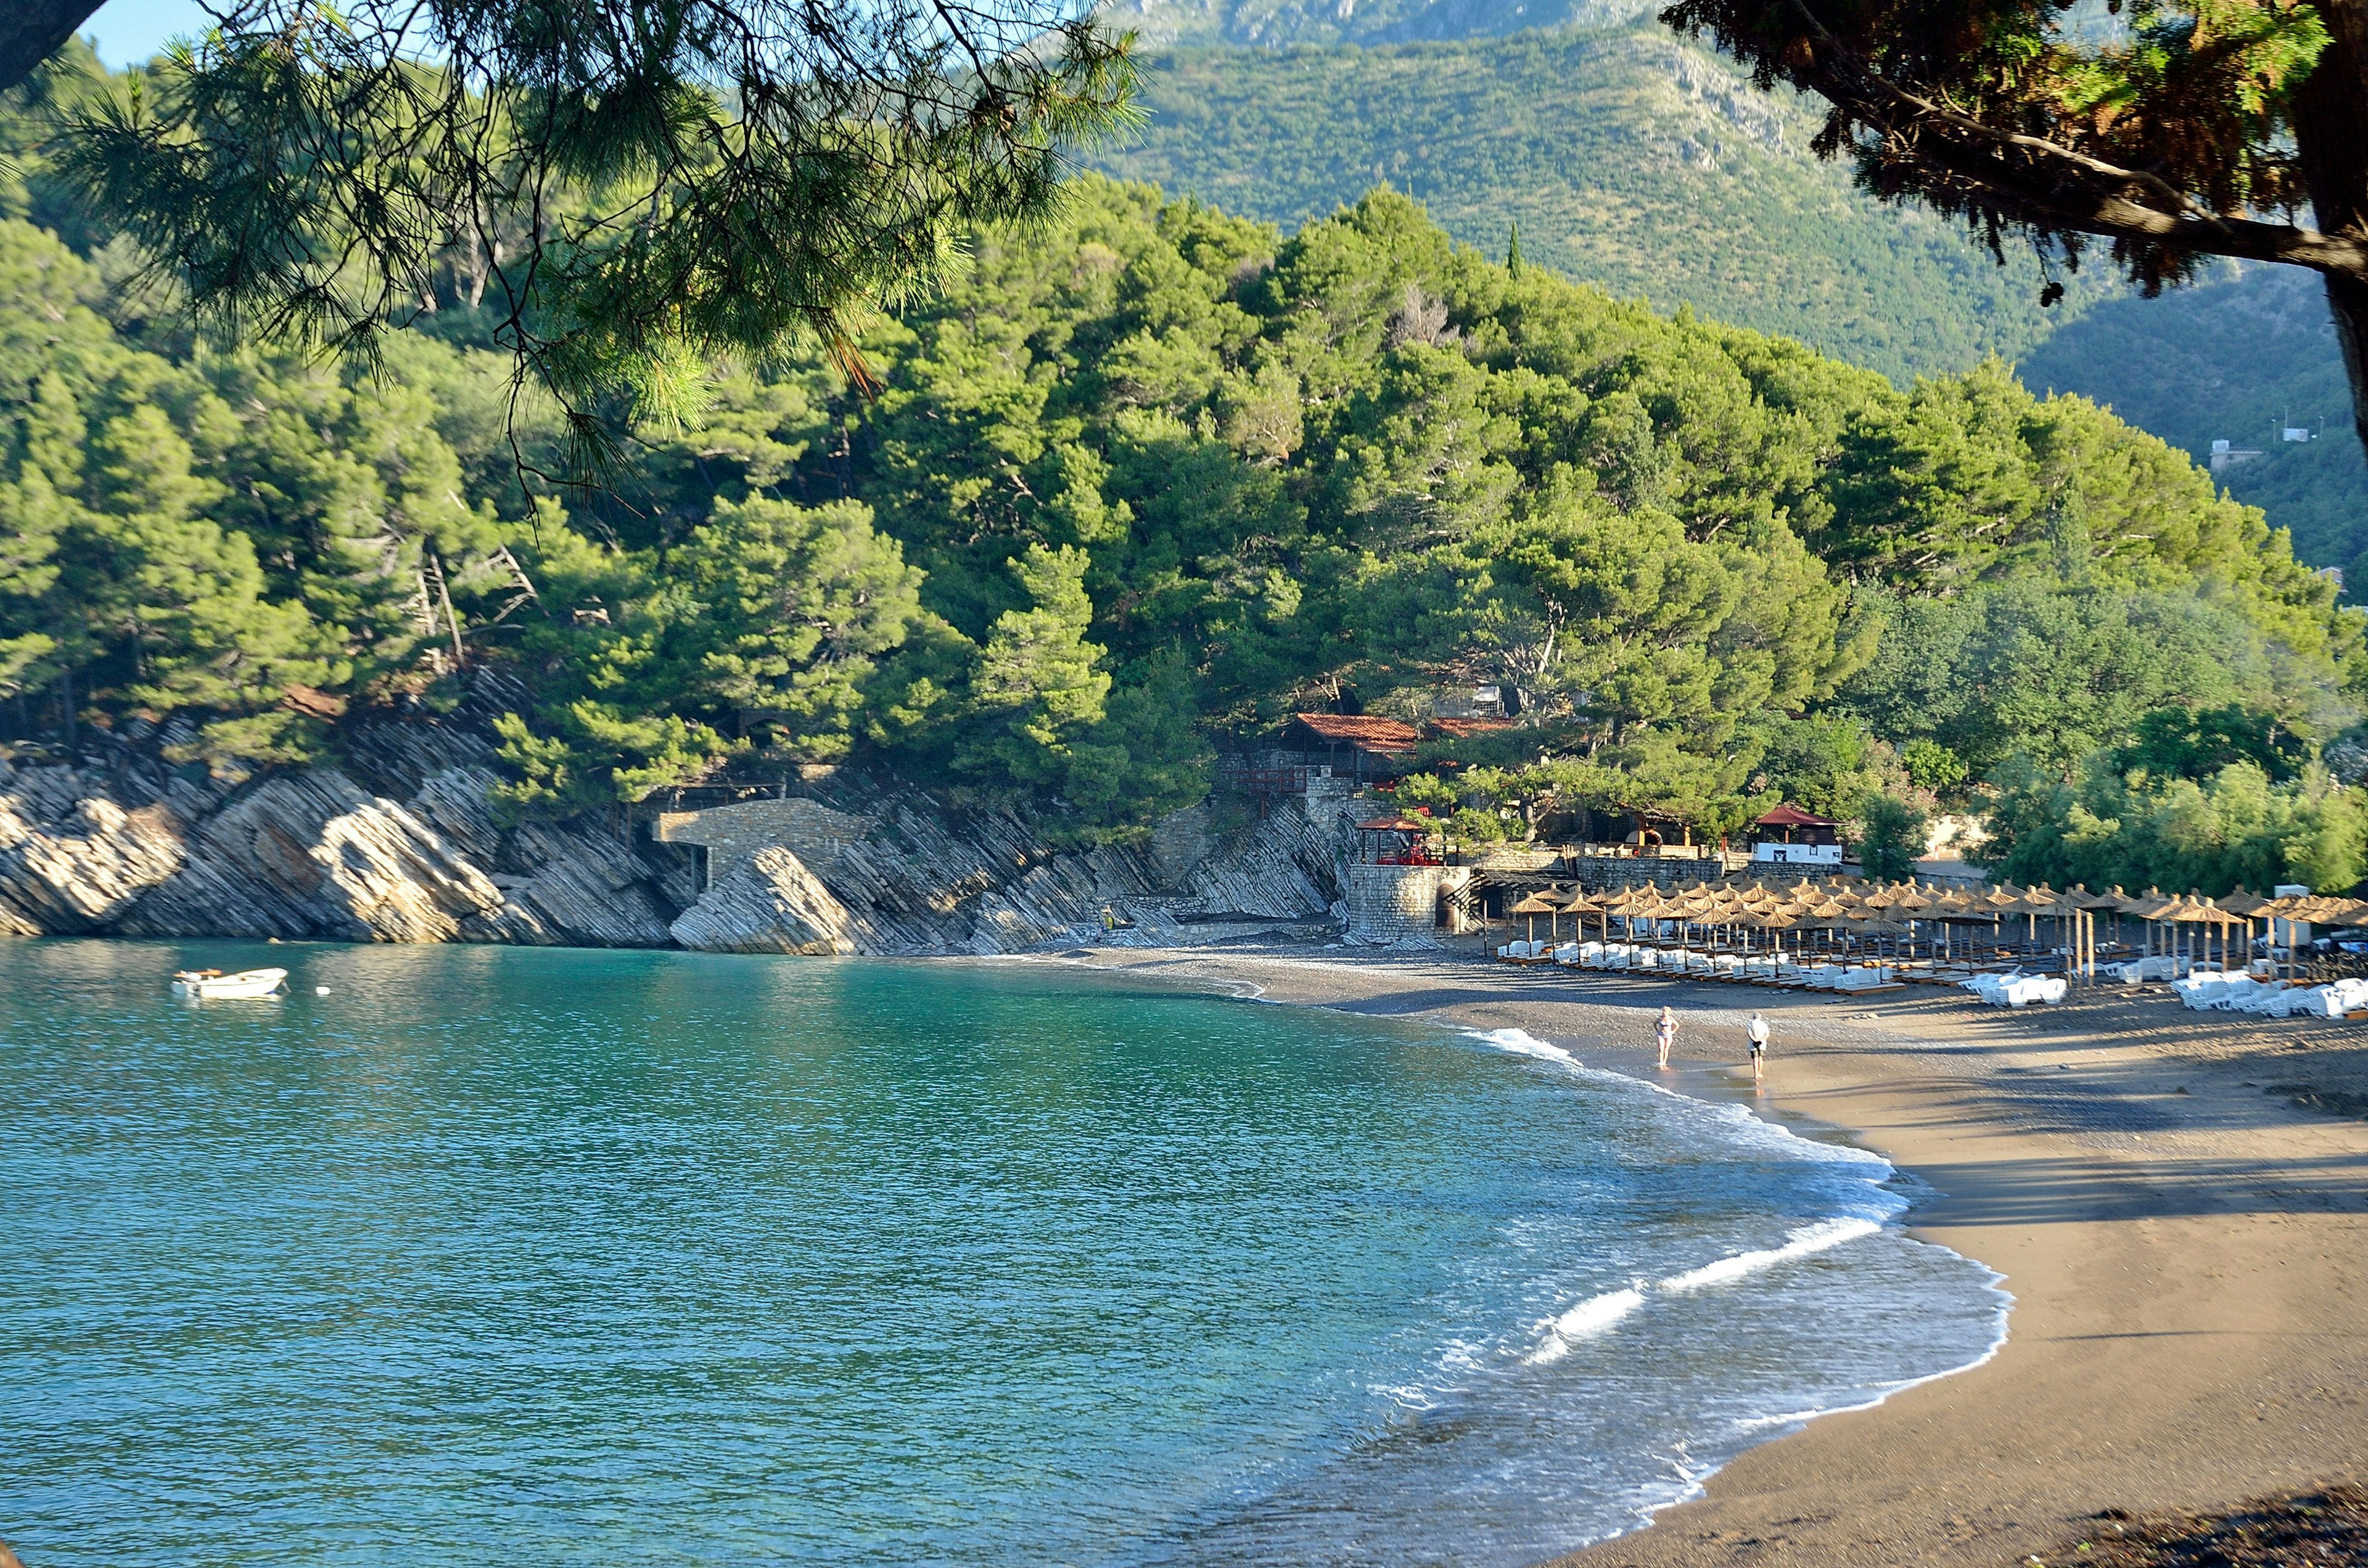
(1791, 836)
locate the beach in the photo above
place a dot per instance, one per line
(2176, 1200)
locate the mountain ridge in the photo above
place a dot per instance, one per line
(1630, 158)
(1275, 23)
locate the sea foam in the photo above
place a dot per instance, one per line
(1590, 1316)
(1808, 1239)
(1866, 1204)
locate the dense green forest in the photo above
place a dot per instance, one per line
(1145, 484)
(1636, 162)
(1628, 159)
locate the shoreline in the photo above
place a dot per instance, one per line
(1777, 1425)
(2179, 1224)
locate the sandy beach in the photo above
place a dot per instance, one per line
(2178, 1203)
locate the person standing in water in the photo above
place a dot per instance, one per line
(1755, 1031)
(1664, 1034)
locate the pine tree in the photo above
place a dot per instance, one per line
(628, 194)
(1038, 683)
(800, 604)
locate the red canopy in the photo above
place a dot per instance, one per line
(1794, 816)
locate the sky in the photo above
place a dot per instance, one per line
(129, 31)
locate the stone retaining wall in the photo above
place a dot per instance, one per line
(815, 834)
(1398, 906)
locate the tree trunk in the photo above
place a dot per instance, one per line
(32, 30)
(2330, 119)
(2347, 298)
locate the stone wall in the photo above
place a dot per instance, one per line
(814, 832)
(1596, 874)
(1398, 906)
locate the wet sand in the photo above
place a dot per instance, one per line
(2178, 1203)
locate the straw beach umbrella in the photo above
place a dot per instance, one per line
(1532, 905)
(2206, 917)
(1622, 903)
(1907, 902)
(1574, 901)
(2084, 905)
(2152, 908)
(1955, 908)
(2247, 906)
(1775, 921)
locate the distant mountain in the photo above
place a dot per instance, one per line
(2240, 359)
(1274, 24)
(1282, 23)
(1630, 160)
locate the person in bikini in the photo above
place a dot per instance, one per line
(1664, 1034)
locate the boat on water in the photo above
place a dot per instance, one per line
(213, 983)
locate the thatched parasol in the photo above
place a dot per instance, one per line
(2245, 904)
(2150, 906)
(1532, 905)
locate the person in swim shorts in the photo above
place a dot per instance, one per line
(1755, 1032)
(1664, 1034)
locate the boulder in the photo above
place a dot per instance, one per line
(766, 903)
(83, 868)
(563, 884)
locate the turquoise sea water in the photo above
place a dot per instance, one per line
(523, 1257)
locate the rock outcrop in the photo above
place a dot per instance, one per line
(766, 903)
(81, 846)
(1289, 868)
(401, 841)
(398, 843)
(562, 884)
(313, 854)
(84, 868)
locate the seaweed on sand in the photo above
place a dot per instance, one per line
(2325, 1528)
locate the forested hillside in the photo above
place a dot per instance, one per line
(1133, 487)
(2237, 359)
(1279, 23)
(1629, 160)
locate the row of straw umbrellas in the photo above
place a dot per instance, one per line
(1857, 912)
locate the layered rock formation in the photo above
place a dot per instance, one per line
(927, 877)
(767, 903)
(313, 853)
(399, 841)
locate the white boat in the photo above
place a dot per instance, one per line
(213, 983)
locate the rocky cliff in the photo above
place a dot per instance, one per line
(398, 841)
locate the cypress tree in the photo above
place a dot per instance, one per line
(1513, 250)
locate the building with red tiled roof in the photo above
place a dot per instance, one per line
(1791, 836)
(1367, 730)
(1360, 745)
(1787, 818)
(1465, 729)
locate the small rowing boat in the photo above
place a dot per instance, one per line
(212, 982)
